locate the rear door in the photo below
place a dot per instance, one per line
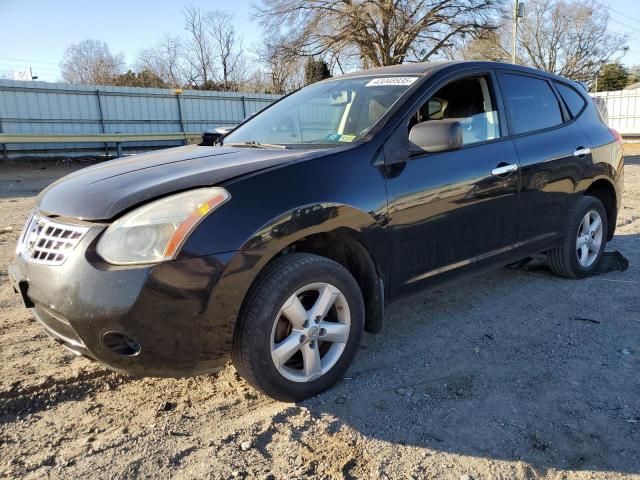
(452, 211)
(553, 153)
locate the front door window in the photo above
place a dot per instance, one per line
(468, 100)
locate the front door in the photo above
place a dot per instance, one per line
(454, 210)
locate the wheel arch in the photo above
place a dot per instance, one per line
(342, 246)
(603, 190)
(341, 232)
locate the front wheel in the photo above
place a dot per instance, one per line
(580, 250)
(300, 327)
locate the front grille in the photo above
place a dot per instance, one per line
(49, 242)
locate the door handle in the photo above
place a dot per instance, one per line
(503, 169)
(581, 152)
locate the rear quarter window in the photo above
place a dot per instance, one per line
(530, 102)
(572, 99)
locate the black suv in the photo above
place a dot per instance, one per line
(281, 246)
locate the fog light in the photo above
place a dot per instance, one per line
(121, 344)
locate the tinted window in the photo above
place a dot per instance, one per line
(531, 103)
(572, 99)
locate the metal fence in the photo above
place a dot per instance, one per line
(39, 108)
(148, 114)
(622, 110)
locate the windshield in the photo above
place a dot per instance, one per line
(324, 114)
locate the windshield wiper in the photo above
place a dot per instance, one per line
(253, 144)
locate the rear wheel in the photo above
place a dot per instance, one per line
(579, 252)
(300, 327)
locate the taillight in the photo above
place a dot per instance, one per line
(617, 136)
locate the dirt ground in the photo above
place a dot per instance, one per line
(511, 375)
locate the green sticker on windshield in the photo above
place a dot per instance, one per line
(347, 138)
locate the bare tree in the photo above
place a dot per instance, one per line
(257, 81)
(227, 45)
(385, 32)
(91, 62)
(199, 50)
(285, 72)
(344, 60)
(634, 74)
(568, 37)
(492, 46)
(213, 54)
(164, 60)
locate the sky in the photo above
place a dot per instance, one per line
(35, 33)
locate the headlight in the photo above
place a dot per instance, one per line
(156, 231)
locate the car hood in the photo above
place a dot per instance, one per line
(102, 191)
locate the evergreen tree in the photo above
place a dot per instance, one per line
(613, 76)
(315, 70)
(145, 78)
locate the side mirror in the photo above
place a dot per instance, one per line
(212, 137)
(435, 136)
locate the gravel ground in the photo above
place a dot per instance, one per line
(511, 375)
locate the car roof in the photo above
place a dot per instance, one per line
(423, 68)
(418, 68)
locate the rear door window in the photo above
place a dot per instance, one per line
(530, 102)
(574, 101)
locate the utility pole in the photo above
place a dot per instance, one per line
(518, 12)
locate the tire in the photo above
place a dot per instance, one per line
(271, 318)
(565, 259)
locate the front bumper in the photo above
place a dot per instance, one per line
(166, 308)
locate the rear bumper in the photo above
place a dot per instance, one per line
(619, 188)
(165, 308)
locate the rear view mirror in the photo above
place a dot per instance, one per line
(435, 136)
(339, 98)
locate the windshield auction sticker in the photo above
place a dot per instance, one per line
(347, 138)
(390, 81)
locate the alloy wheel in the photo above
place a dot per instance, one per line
(310, 332)
(589, 238)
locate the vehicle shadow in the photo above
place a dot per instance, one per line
(23, 179)
(14, 188)
(510, 366)
(632, 160)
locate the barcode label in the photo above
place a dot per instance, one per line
(377, 82)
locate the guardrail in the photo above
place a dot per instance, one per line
(157, 116)
(117, 138)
